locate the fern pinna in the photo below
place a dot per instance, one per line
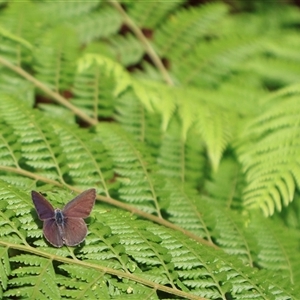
(193, 149)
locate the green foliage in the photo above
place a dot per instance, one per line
(196, 149)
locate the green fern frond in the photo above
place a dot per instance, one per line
(9, 149)
(133, 167)
(226, 185)
(57, 11)
(200, 277)
(93, 92)
(55, 57)
(150, 14)
(100, 23)
(38, 150)
(188, 210)
(177, 36)
(135, 119)
(26, 29)
(215, 61)
(108, 67)
(4, 269)
(87, 160)
(13, 48)
(35, 279)
(274, 251)
(15, 86)
(230, 233)
(128, 49)
(181, 160)
(280, 72)
(271, 164)
(88, 283)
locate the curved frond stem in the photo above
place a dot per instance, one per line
(34, 176)
(113, 202)
(148, 48)
(55, 96)
(135, 278)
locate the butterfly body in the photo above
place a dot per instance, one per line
(59, 217)
(65, 226)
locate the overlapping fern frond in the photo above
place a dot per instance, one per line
(189, 140)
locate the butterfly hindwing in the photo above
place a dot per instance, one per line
(52, 233)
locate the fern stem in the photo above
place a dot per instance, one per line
(31, 175)
(148, 48)
(136, 278)
(55, 96)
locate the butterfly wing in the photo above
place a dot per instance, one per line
(43, 207)
(52, 233)
(80, 206)
(74, 231)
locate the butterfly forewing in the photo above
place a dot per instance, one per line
(52, 233)
(75, 231)
(43, 207)
(80, 206)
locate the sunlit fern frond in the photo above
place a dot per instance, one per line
(272, 162)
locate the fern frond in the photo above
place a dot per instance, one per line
(176, 37)
(9, 146)
(55, 57)
(101, 23)
(35, 279)
(271, 163)
(5, 270)
(215, 61)
(274, 251)
(230, 234)
(199, 277)
(132, 168)
(88, 284)
(87, 160)
(128, 49)
(227, 184)
(188, 210)
(93, 92)
(135, 119)
(57, 11)
(18, 31)
(16, 86)
(181, 159)
(150, 14)
(108, 67)
(37, 140)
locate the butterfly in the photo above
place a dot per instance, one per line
(65, 226)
